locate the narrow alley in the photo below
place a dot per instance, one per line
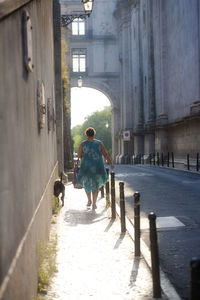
(94, 260)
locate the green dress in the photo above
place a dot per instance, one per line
(92, 174)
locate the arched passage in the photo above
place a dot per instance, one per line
(85, 101)
(109, 89)
(91, 108)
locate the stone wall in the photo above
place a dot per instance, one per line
(159, 45)
(145, 55)
(28, 154)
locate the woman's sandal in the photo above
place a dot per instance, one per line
(94, 206)
(89, 203)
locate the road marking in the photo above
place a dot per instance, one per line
(162, 223)
(166, 285)
(122, 175)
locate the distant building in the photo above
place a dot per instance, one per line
(144, 55)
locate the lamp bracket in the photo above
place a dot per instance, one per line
(67, 19)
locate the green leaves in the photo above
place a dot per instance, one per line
(101, 121)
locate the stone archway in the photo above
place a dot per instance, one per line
(111, 92)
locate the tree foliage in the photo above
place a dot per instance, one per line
(101, 122)
(68, 153)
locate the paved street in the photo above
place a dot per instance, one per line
(169, 193)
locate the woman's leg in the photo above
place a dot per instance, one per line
(89, 198)
(94, 198)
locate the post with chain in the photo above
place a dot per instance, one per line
(107, 189)
(113, 205)
(137, 222)
(154, 256)
(195, 279)
(122, 207)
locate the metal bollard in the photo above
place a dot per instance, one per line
(150, 158)
(195, 279)
(107, 189)
(158, 159)
(137, 222)
(188, 161)
(154, 256)
(143, 159)
(102, 191)
(168, 159)
(197, 167)
(122, 207)
(172, 159)
(162, 159)
(113, 205)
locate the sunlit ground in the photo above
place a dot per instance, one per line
(94, 260)
(85, 101)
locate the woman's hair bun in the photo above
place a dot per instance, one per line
(90, 131)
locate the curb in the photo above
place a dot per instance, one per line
(166, 285)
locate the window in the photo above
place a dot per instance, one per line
(79, 60)
(78, 26)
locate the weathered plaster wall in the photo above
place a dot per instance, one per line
(28, 157)
(163, 71)
(182, 56)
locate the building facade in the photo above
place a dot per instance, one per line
(144, 55)
(159, 46)
(94, 53)
(30, 103)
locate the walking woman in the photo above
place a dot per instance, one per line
(92, 174)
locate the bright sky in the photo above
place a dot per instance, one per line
(85, 101)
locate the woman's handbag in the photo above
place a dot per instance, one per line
(75, 178)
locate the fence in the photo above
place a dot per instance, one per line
(161, 159)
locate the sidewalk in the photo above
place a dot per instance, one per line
(94, 260)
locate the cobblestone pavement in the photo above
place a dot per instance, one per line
(94, 260)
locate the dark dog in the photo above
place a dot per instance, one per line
(59, 188)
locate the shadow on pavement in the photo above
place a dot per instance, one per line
(134, 272)
(120, 239)
(75, 217)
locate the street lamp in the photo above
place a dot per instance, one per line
(87, 5)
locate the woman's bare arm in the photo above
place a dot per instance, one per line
(106, 155)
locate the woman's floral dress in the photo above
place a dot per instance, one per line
(92, 174)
